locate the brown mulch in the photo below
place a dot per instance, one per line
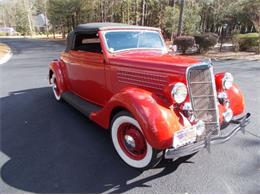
(4, 49)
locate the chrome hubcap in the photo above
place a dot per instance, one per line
(129, 140)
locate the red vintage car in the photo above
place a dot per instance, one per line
(156, 104)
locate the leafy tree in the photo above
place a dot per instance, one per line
(192, 18)
(199, 15)
(170, 22)
(21, 20)
(252, 9)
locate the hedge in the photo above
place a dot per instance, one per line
(244, 42)
(206, 41)
(184, 42)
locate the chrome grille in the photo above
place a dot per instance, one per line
(202, 90)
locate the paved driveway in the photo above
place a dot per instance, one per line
(49, 147)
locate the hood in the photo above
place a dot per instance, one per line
(153, 60)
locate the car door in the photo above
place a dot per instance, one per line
(86, 69)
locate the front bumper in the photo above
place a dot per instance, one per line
(192, 148)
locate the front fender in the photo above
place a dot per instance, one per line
(157, 122)
(56, 68)
(235, 96)
(237, 102)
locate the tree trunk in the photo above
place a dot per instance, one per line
(122, 14)
(180, 25)
(53, 30)
(143, 12)
(128, 12)
(258, 48)
(160, 15)
(73, 21)
(68, 25)
(136, 12)
(46, 18)
(28, 10)
(102, 11)
(112, 12)
(221, 39)
(30, 24)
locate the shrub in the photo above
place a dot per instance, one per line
(247, 41)
(206, 41)
(184, 42)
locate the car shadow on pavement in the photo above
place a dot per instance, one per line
(54, 149)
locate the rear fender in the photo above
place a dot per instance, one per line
(56, 68)
(158, 123)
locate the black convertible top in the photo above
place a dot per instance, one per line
(108, 25)
(92, 28)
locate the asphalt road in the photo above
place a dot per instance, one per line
(49, 147)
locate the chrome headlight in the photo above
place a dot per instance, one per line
(227, 80)
(179, 92)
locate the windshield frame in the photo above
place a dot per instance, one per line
(163, 49)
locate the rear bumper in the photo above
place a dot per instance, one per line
(240, 125)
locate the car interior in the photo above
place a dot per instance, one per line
(88, 43)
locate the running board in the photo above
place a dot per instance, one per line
(80, 104)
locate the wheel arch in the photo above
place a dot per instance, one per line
(56, 68)
(50, 75)
(115, 111)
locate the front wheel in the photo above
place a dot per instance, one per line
(130, 143)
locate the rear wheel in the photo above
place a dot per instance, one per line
(130, 143)
(55, 88)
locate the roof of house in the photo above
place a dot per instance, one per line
(40, 20)
(109, 25)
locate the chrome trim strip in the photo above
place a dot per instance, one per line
(215, 94)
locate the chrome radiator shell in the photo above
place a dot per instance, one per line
(203, 96)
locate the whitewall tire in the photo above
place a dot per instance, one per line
(130, 143)
(55, 88)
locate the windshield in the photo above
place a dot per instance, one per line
(136, 39)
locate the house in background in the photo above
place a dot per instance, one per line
(40, 22)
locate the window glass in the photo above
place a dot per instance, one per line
(124, 40)
(88, 42)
